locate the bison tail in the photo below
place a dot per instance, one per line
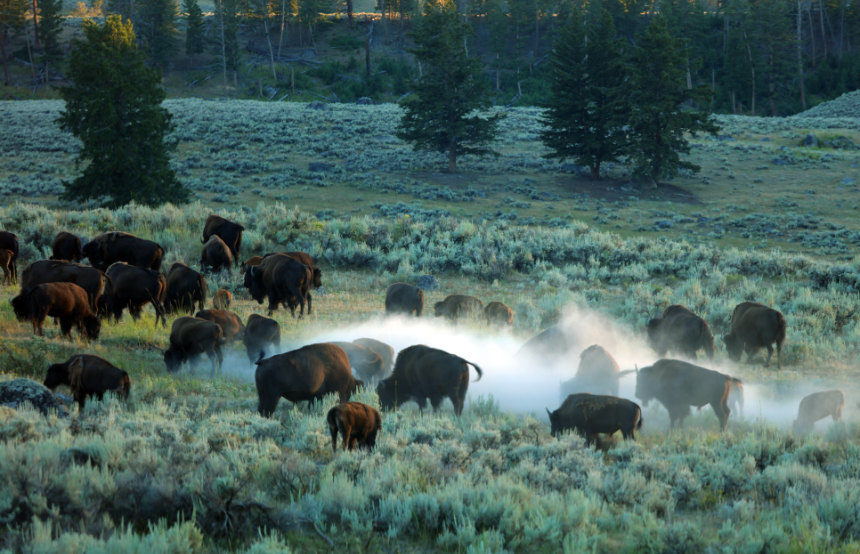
(639, 423)
(126, 385)
(477, 370)
(260, 357)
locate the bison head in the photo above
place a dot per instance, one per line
(734, 346)
(317, 278)
(644, 387)
(254, 283)
(554, 422)
(58, 374)
(439, 309)
(20, 306)
(172, 360)
(93, 327)
(92, 250)
(387, 391)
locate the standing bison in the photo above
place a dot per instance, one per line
(816, 406)
(191, 337)
(282, 280)
(184, 288)
(597, 373)
(308, 373)
(131, 287)
(458, 306)
(227, 231)
(755, 326)
(591, 414)
(385, 351)
(117, 246)
(498, 314)
(65, 301)
(88, 375)
(678, 385)
(422, 373)
(357, 423)
(403, 298)
(67, 246)
(262, 336)
(9, 241)
(87, 277)
(215, 255)
(366, 363)
(680, 330)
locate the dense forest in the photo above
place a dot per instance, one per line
(760, 57)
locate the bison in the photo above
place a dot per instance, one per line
(680, 330)
(87, 277)
(88, 375)
(385, 352)
(816, 406)
(305, 258)
(678, 385)
(755, 326)
(283, 280)
(403, 298)
(250, 262)
(117, 246)
(366, 363)
(6, 264)
(261, 334)
(191, 337)
(9, 241)
(215, 255)
(230, 323)
(421, 373)
(131, 287)
(65, 301)
(591, 414)
(67, 246)
(597, 373)
(498, 314)
(183, 288)
(308, 373)
(222, 299)
(458, 306)
(357, 423)
(229, 232)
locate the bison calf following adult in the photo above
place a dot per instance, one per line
(422, 373)
(357, 423)
(458, 306)
(403, 298)
(680, 330)
(816, 406)
(189, 338)
(261, 337)
(88, 375)
(65, 301)
(591, 414)
(498, 314)
(754, 326)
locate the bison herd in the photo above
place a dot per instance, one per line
(124, 274)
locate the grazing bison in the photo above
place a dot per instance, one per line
(261, 337)
(356, 422)
(308, 373)
(366, 363)
(422, 373)
(88, 375)
(227, 231)
(65, 301)
(816, 406)
(498, 314)
(6, 263)
(9, 241)
(131, 287)
(215, 255)
(222, 299)
(458, 306)
(67, 246)
(385, 352)
(117, 246)
(283, 280)
(680, 330)
(678, 385)
(755, 326)
(597, 373)
(87, 277)
(591, 414)
(230, 323)
(191, 337)
(183, 288)
(403, 298)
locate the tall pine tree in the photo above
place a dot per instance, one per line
(50, 25)
(195, 31)
(156, 24)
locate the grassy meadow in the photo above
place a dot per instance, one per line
(188, 465)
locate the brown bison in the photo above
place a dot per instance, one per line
(117, 246)
(283, 280)
(131, 287)
(357, 423)
(215, 255)
(222, 299)
(458, 306)
(403, 298)
(191, 337)
(6, 263)
(680, 330)
(498, 314)
(65, 301)
(755, 326)
(261, 337)
(816, 406)
(9, 241)
(366, 364)
(252, 261)
(183, 288)
(385, 352)
(422, 373)
(67, 246)
(591, 414)
(597, 373)
(230, 323)
(678, 385)
(227, 231)
(88, 375)
(308, 373)
(87, 277)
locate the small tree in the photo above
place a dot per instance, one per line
(195, 32)
(114, 107)
(437, 114)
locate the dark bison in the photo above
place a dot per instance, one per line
(230, 323)
(816, 406)
(597, 373)
(9, 241)
(215, 255)
(222, 299)
(403, 298)
(357, 423)
(458, 306)
(261, 337)
(680, 330)
(6, 263)
(131, 287)
(305, 258)
(65, 301)
(191, 337)
(498, 314)
(591, 414)
(227, 231)
(183, 288)
(117, 246)
(366, 363)
(87, 277)
(678, 385)
(67, 246)
(308, 373)
(422, 373)
(755, 326)
(385, 351)
(88, 375)
(283, 280)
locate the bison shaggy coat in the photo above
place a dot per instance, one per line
(591, 414)
(357, 423)
(117, 246)
(261, 337)
(215, 255)
(184, 287)
(67, 246)
(65, 301)
(191, 337)
(228, 231)
(9, 241)
(131, 287)
(755, 326)
(282, 280)
(680, 330)
(498, 314)
(87, 277)
(222, 299)
(385, 351)
(308, 373)
(422, 373)
(88, 375)
(816, 406)
(458, 306)
(597, 373)
(230, 323)
(403, 298)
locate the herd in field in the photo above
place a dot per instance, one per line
(125, 274)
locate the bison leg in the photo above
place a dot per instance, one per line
(722, 410)
(332, 427)
(309, 303)
(267, 402)
(769, 355)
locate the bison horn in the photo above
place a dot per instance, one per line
(548, 412)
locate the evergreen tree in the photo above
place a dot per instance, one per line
(195, 37)
(227, 28)
(114, 107)
(50, 25)
(156, 23)
(662, 111)
(588, 108)
(440, 114)
(12, 21)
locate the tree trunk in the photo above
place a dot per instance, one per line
(771, 82)
(367, 44)
(283, 26)
(799, 20)
(823, 31)
(752, 74)
(269, 42)
(35, 24)
(3, 38)
(452, 159)
(223, 43)
(595, 171)
(812, 36)
(349, 11)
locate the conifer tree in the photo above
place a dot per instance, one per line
(156, 24)
(50, 25)
(195, 37)
(12, 21)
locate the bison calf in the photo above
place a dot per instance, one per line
(222, 299)
(816, 406)
(498, 314)
(591, 414)
(356, 422)
(88, 375)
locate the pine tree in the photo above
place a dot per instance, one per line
(156, 24)
(440, 114)
(50, 25)
(12, 21)
(195, 32)
(114, 107)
